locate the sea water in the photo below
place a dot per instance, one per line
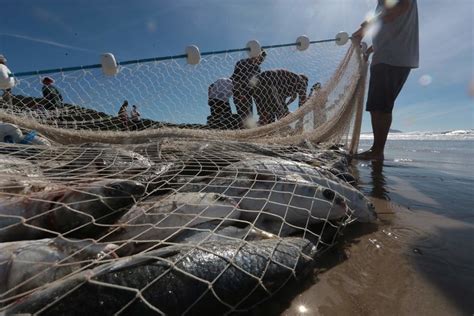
(431, 174)
(441, 170)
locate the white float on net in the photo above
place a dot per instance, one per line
(193, 55)
(302, 42)
(342, 38)
(109, 64)
(254, 48)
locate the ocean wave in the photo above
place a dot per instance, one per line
(447, 135)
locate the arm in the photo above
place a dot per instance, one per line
(302, 99)
(369, 51)
(303, 87)
(292, 98)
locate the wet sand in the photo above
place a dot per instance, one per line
(396, 270)
(417, 260)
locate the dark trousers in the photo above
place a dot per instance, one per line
(270, 104)
(243, 103)
(221, 115)
(219, 107)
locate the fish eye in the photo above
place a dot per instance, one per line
(329, 194)
(116, 186)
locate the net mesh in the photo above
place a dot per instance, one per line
(210, 200)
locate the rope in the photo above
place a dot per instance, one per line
(154, 59)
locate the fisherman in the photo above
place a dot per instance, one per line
(244, 71)
(51, 94)
(273, 88)
(6, 80)
(395, 52)
(135, 117)
(219, 94)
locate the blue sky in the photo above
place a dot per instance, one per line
(60, 33)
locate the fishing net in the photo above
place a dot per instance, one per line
(193, 207)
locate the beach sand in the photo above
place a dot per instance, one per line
(418, 259)
(395, 270)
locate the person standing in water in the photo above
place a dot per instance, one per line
(395, 49)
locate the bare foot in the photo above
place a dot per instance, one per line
(369, 155)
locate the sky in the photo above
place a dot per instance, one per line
(43, 34)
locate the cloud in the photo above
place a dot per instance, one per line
(48, 17)
(48, 42)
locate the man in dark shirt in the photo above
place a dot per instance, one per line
(273, 88)
(51, 94)
(244, 71)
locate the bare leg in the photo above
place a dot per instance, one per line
(381, 123)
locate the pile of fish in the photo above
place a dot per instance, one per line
(171, 227)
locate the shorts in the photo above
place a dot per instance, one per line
(385, 84)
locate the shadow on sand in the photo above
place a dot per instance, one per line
(447, 261)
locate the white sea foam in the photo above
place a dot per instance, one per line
(447, 135)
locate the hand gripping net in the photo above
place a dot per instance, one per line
(175, 213)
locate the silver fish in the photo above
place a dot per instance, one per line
(212, 279)
(26, 265)
(363, 210)
(154, 220)
(269, 200)
(78, 211)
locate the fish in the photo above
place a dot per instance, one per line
(362, 209)
(26, 265)
(154, 220)
(269, 201)
(93, 160)
(76, 211)
(214, 230)
(214, 278)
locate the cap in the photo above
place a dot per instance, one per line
(3, 59)
(47, 80)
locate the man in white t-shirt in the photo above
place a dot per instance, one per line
(395, 48)
(219, 94)
(6, 80)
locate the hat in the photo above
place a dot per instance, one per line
(3, 58)
(47, 80)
